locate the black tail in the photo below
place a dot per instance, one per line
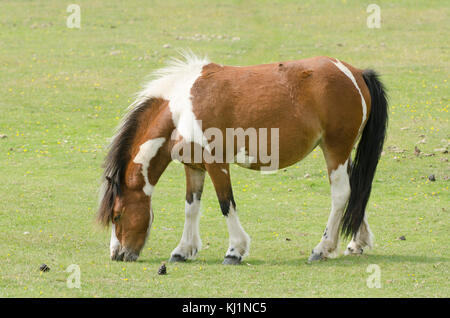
(367, 155)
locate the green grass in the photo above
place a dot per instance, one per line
(62, 92)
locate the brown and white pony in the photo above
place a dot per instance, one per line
(313, 102)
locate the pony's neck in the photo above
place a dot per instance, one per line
(150, 147)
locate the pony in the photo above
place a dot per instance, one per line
(208, 116)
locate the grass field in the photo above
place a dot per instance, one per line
(63, 91)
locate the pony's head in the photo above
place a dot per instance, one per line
(131, 216)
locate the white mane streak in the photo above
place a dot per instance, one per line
(166, 81)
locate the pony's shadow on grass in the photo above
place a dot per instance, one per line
(354, 260)
(153, 260)
(339, 261)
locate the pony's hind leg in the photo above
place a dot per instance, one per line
(190, 242)
(340, 193)
(362, 239)
(239, 243)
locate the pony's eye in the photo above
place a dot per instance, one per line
(116, 218)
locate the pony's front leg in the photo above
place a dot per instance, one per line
(239, 244)
(190, 242)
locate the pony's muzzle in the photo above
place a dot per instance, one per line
(124, 254)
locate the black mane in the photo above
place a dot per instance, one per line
(116, 160)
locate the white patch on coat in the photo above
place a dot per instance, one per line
(340, 186)
(174, 83)
(147, 151)
(349, 74)
(239, 239)
(243, 159)
(224, 171)
(190, 242)
(114, 244)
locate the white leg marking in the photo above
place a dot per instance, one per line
(114, 245)
(340, 192)
(190, 242)
(349, 74)
(239, 240)
(362, 239)
(147, 151)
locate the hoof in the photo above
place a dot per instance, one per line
(315, 257)
(118, 257)
(125, 255)
(353, 251)
(177, 258)
(232, 260)
(130, 257)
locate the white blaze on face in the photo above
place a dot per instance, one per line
(349, 74)
(147, 151)
(114, 244)
(174, 83)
